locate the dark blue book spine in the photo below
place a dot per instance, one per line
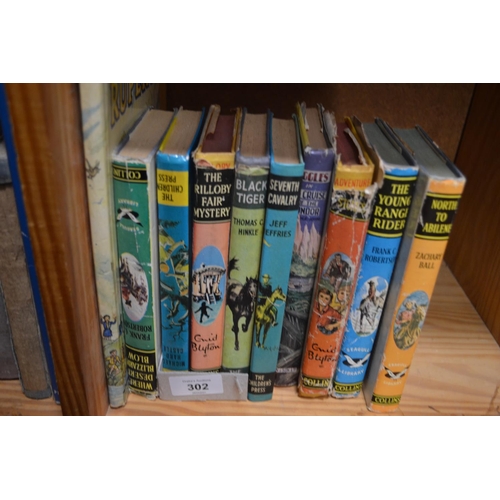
(319, 165)
(23, 221)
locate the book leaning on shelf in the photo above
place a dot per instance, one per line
(282, 205)
(396, 174)
(437, 194)
(134, 179)
(108, 113)
(247, 227)
(351, 205)
(317, 131)
(174, 170)
(212, 201)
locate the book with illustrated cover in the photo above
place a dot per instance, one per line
(397, 173)
(108, 113)
(317, 131)
(214, 160)
(134, 178)
(351, 205)
(174, 169)
(437, 194)
(247, 227)
(282, 205)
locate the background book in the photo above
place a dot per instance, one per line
(317, 131)
(108, 112)
(396, 175)
(213, 195)
(282, 205)
(23, 304)
(174, 170)
(247, 227)
(350, 210)
(437, 193)
(134, 179)
(8, 366)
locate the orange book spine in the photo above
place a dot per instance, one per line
(417, 285)
(345, 233)
(209, 285)
(214, 162)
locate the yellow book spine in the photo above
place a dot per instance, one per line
(423, 264)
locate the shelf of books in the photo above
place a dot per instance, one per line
(238, 263)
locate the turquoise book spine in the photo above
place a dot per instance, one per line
(282, 205)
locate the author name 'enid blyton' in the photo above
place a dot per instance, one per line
(205, 343)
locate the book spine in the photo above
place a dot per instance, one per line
(8, 365)
(135, 241)
(314, 191)
(174, 237)
(95, 125)
(385, 231)
(247, 228)
(213, 188)
(402, 323)
(282, 205)
(343, 244)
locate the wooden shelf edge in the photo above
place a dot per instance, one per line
(456, 371)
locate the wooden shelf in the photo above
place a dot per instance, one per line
(455, 371)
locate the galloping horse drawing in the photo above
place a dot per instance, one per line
(262, 317)
(240, 299)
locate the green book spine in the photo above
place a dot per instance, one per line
(247, 228)
(135, 251)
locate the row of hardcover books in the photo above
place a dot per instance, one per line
(281, 248)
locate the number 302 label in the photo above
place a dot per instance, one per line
(196, 384)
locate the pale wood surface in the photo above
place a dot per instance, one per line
(46, 126)
(456, 371)
(14, 403)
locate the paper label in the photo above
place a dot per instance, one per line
(196, 384)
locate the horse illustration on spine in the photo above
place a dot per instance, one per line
(240, 299)
(134, 287)
(410, 319)
(266, 313)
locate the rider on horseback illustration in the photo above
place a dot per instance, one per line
(265, 292)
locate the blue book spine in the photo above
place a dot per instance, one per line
(319, 165)
(174, 237)
(282, 205)
(381, 248)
